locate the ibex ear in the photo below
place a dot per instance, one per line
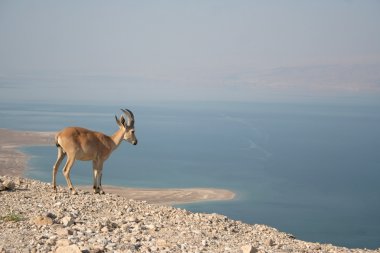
(118, 121)
(122, 120)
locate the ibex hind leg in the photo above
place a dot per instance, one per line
(101, 191)
(60, 157)
(66, 172)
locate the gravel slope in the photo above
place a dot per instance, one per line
(35, 219)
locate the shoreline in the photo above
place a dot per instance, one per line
(13, 162)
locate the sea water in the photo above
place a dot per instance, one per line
(309, 169)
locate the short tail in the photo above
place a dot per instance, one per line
(56, 141)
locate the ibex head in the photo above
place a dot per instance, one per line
(128, 125)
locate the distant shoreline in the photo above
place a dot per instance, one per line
(13, 162)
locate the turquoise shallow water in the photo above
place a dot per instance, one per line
(309, 169)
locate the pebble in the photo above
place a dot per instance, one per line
(249, 249)
(63, 223)
(67, 221)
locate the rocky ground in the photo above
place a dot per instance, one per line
(35, 219)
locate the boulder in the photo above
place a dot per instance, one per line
(42, 220)
(9, 184)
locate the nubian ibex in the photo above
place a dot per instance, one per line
(82, 144)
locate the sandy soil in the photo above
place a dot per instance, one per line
(14, 163)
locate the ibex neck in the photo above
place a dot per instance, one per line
(117, 137)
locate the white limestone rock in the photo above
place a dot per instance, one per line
(68, 249)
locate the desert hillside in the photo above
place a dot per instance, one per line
(35, 219)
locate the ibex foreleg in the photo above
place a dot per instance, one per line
(97, 171)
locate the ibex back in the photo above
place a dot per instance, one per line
(82, 144)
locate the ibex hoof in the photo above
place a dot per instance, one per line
(73, 192)
(97, 190)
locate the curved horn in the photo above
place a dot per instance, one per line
(131, 118)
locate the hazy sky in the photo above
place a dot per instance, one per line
(208, 50)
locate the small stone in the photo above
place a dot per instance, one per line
(63, 231)
(75, 213)
(134, 239)
(50, 215)
(73, 239)
(42, 221)
(132, 219)
(124, 227)
(2, 188)
(63, 242)
(67, 221)
(18, 181)
(315, 246)
(68, 249)
(249, 249)
(104, 229)
(198, 232)
(150, 227)
(96, 250)
(161, 243)
(58, 204)
(51, 241)
(269, 242)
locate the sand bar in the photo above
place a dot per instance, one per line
(14, 163)
(168, 196)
